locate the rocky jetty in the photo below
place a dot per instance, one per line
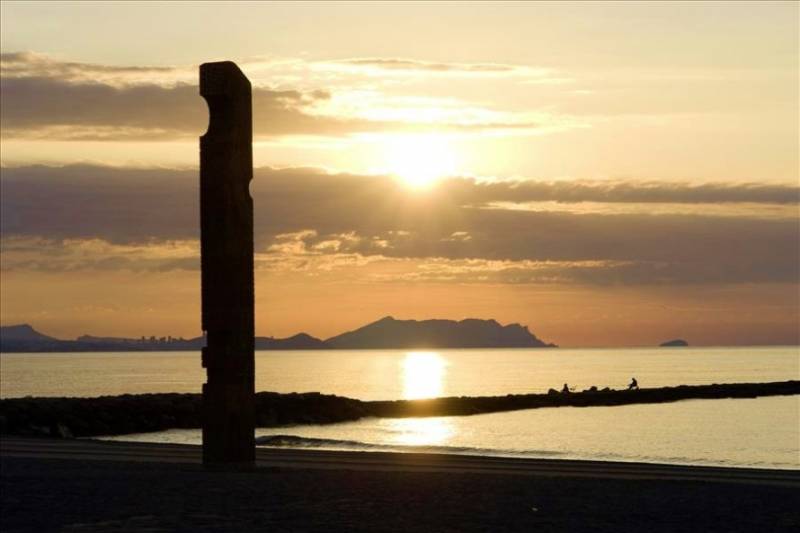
(118, 415)
(460, 406)
(139, 413)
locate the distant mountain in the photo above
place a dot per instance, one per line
(385, 333)
(470, 333)
(23, 332)
(23, 338)
(301, 341)
(111, 340)
(674, 343)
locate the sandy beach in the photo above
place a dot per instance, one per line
(72, 485)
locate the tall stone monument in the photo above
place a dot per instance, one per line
(226, 245)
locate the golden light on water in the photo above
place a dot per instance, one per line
(420, 159)
(420, 431)
(423, 375)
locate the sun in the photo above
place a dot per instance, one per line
(420, 159)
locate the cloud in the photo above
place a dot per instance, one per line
(29, 64)
(428, 66)
(302, 253)
(620, 191)
(44, 98)
(505, 272)
(73, 255)
(718, 209)
(399, 69)
(36, 106)
(43, 107)
(314, 218)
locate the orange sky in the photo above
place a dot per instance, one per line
(609, 174)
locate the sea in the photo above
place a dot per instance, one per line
(760, 432)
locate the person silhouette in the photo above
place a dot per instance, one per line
(566, 388)
(633, 385)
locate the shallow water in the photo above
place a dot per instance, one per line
(760, 432)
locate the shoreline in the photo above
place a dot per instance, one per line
(360, 447)
(51, 484)
(122, 451)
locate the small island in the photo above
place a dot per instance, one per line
(674, 343)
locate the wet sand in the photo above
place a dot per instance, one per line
(73, 485)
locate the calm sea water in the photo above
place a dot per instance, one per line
(393, 374)
(761, 432)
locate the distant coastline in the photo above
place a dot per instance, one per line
(386, 333)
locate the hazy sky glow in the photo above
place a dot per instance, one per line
(606, 173)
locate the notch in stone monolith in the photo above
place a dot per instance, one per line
(226, 248)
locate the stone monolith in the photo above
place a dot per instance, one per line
(226, 245)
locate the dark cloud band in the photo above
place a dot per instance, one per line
(29, 104)
(373, 215)
(41, 97)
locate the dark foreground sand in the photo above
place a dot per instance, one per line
(49, 485)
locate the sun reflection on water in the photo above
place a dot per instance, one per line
(423, 375)
(420, 431)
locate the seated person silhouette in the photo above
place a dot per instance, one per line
(633, 385)
(565, 389)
